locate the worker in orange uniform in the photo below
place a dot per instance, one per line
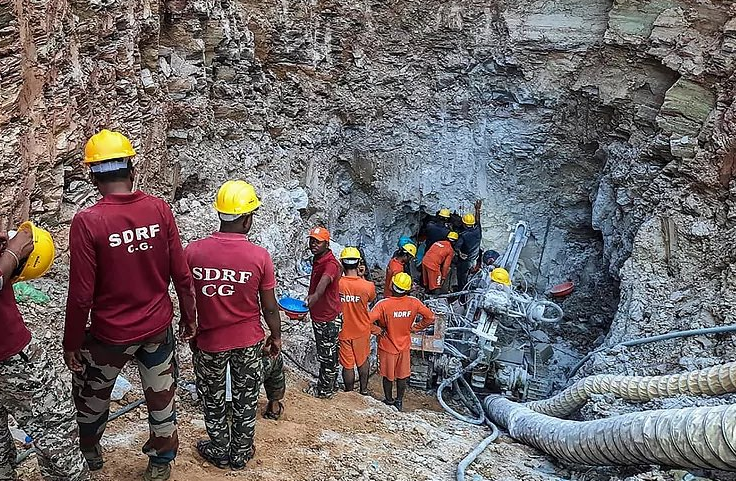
(355, 337)
(397, 264)
(395, 321)
(437, 261)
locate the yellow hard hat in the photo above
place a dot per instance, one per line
(236, 197)
(39, 261)
(469, 219)
(349, 253)
(107, 145)
(501, 275)
(402, 282)
(445, 213)
(453, 235)
(410, 248)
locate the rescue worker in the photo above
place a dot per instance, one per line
(395, 318)
(274, 383)
(403, 240)
(397, 264)
(436, 263)
(234, 281)
(500, 277)
(355, 336)
(124, 251)
(468, 245)
(30, 388)
(323, 300)
(490, 257)
(438, 228)
(363, 271)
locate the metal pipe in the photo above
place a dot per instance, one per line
(541, 255)
(457, 294)
(700, 437)
(517, 241)
(661, 337)
(713, 381)
(461, 329)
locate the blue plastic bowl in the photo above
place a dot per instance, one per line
(291, 304)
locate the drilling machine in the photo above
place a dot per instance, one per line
(492, 334)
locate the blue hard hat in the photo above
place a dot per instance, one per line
(403, 240)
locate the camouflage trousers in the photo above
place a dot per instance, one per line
(325, 336)
(274, 381)
(32, 392)
(158, 371)
(246, 372)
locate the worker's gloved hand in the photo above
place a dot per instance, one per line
(273, 346)
(73, 360)
(187, 330)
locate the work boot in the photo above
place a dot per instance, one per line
(313, 390)
(93, 456)
(204, 448)
(238, 463)
(157, 472)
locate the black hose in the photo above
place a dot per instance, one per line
(125, 409)
(477, 451)
(450, 380)
(296, 363)
(661, 337)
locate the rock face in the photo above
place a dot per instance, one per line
(613, 119)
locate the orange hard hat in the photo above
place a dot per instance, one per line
(320, 233)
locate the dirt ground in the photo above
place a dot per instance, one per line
(347, 437)
(350, 437)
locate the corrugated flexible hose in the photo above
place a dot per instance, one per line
(712, 381)
(703, 437)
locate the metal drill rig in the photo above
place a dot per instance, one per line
(490, 336)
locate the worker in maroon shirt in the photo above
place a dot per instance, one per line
(30, 388)
(324, 308)
(124, 252)
(234, 281)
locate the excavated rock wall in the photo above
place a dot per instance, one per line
(611, 118)
(674, 219)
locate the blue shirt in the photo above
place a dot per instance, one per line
(469, 242)
(436, 232)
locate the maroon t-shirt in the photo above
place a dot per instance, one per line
(124, 250)
(229, 272)
(327, 308)
(15, 335)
